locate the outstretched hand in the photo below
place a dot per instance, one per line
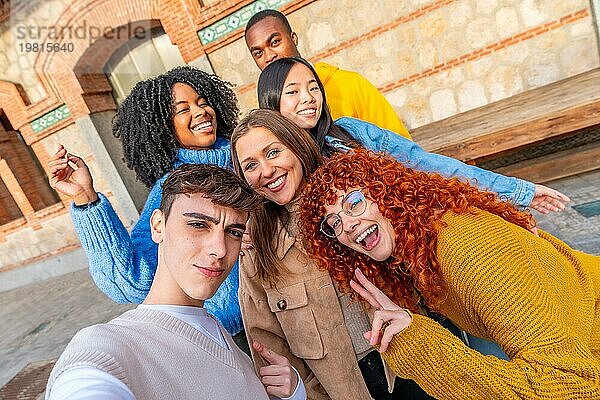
(547, 200)
(279, 378)
(70, 176)
(388, 319)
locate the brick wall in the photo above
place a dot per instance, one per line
(26, 170)
(9, 210)
(394, 44)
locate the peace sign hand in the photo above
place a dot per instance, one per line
(388, 318)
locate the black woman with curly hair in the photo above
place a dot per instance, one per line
(183, 116)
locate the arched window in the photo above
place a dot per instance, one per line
(139, 59)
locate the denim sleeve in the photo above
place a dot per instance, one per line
(514, 190)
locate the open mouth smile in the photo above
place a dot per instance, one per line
(309, 112)
(369, 238)
(277, 184)
(202, 126)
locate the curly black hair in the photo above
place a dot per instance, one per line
(144, 121)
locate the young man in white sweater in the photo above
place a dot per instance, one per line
(169, 347)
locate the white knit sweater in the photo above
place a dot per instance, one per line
(161, 357)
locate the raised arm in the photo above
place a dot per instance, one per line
(121, 266)
(101, 232)
(519, 192)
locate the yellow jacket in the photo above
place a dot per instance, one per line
(349, 94)
(535, 296)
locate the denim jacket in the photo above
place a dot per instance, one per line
(516, 191)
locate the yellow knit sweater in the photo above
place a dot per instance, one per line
(534, 296)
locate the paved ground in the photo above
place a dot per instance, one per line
(578, 231)
(38, 320)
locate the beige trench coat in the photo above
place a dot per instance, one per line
(301, 318)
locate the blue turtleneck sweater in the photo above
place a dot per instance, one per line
(123, 265)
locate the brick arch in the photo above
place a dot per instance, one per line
(24, 189)
(76, 77)
(96, 89)
(14, 103)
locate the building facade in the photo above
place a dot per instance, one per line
(65, 65)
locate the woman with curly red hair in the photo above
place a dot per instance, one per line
(438, 244)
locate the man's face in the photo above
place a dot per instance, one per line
(268, 40)
(198, 244)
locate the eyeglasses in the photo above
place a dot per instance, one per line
(353, 204)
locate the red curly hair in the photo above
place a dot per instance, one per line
(414, 202)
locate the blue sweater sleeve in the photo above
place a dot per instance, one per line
(123, 266)
(514, 190)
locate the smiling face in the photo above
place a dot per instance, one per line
(369, 233)
(271, 168)
(269, 39)
(198, 244)
(301, 98)
(195, 121)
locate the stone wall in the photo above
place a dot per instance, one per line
(434, 59)
(28, 24)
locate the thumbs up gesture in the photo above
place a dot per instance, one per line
(279, 378)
